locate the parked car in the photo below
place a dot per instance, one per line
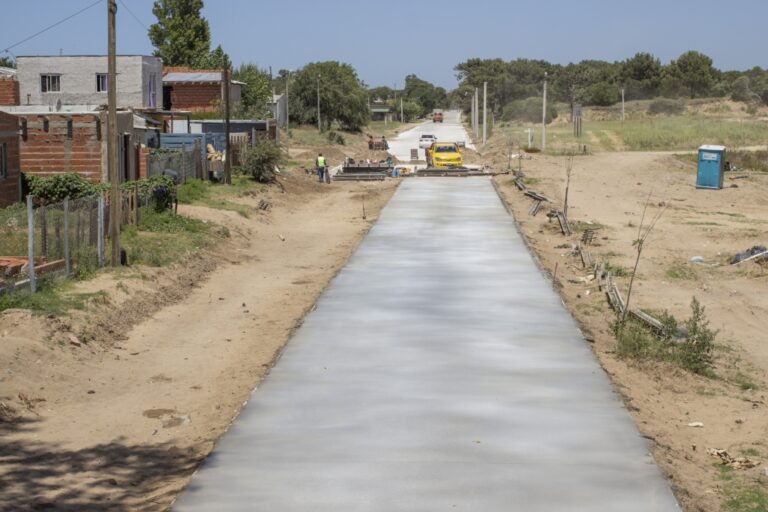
(426, 140)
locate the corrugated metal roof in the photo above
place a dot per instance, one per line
(192, 77)
(7, 71)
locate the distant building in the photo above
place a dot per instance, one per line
(10, 184)
(381, 112)
(279, 108)
(82, 80)
(196, 90)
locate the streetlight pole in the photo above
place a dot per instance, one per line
(318, 104)
(544, 116)
(287, 112)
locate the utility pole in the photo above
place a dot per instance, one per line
(287, 112)
(485, 112)
(544, 116)
(477, 112)
(622, 106)
(402, 118)
(318, 104)
(228, 151)
(115, 199)
(472, 113)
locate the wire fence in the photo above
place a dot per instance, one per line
(186, 163)
(60, 239)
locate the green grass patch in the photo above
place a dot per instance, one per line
(681, 270)
(531, 181)
(217, 196)
(164, 238)
(580, 226)
(616, 270)
(53, 297)
(193, 190)
(752, 498)
(744, 382)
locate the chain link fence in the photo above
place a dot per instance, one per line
(64, 238)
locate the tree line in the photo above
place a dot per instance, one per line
(599, 83)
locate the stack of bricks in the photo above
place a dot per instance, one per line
(48, 148)
(9, 91)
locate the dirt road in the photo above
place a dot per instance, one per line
(122, 426)
(608, 193)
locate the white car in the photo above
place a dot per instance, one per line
(426, 141)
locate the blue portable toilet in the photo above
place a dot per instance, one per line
(711, 167)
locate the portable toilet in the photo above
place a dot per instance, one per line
(711, 167)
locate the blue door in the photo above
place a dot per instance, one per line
(709, 170)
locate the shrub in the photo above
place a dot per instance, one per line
(602, 94)
(666, 106)
(696, 349)
(54, 189)
(740, 89)
(528, 110)
(336, 138)
(158, 190)
(261, 160)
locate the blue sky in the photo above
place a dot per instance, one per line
(386, 40)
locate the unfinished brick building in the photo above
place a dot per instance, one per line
(195, 90)
(9, 160)
(9, 87)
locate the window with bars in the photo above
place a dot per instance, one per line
(50, 83)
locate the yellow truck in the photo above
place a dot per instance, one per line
(444, 155)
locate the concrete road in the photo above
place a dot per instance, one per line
(449, 130)
(438, 372)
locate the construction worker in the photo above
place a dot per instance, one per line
(321, 165)
(384, 143)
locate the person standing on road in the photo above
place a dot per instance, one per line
(321, 166)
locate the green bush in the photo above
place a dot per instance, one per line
(261, 160)
(666, 106)
(602, 94)
(528, 110)
(54, 189)
(336, 138)
(696, 350)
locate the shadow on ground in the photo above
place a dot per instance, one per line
(113, 477)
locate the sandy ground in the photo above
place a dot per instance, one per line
(610, 190)
(114, 408)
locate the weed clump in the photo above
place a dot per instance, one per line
(689, 346)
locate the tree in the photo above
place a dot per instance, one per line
(382, 93)
(7, 62)
(255, 94)
(641, 76)
(694, 71)
(424, 93)
(740, 89)
(181, 35)
(343, 97)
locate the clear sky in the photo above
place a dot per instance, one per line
(386, 40)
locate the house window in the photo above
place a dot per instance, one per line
(101, 82)
(50, 83)
(3, 161)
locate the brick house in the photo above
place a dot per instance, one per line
(9, 160)
(74, 140)
(198, 90)
(9, 87)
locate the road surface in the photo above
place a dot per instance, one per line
(439, 372)
(449, 130)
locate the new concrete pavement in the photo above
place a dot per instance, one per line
(439, 372)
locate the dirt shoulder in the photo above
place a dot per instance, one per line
(120, 421)
(608, 193)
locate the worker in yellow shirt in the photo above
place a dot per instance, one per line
(320, 164)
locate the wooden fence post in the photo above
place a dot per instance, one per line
(31, 245)
(67, 257)
(100, 231)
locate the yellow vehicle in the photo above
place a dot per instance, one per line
(444, 155)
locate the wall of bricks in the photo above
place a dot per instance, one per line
(9, 92)
(196, 97)
(9, 187)
(53, 151)
(143, 162)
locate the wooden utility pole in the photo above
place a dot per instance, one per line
(544, 116)
(485, 112)
(115, 199)
(228, 150)
(318, 104)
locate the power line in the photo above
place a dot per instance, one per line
(133, 15)
(46, 29)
